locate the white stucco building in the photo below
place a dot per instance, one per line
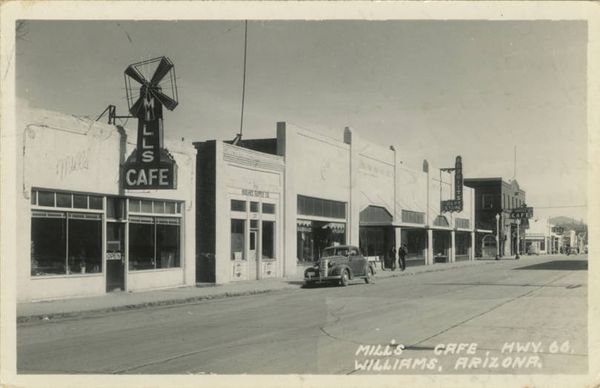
(81, 233)
(320, 190)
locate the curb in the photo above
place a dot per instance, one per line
(139, 306)
(199, 298)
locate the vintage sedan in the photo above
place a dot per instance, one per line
(339, 264)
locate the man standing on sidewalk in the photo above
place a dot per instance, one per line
(402, 251)
(392, 258)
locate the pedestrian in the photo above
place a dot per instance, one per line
(392, 258)
(402, 251)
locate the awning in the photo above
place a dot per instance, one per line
(304, 225)
(335, 227)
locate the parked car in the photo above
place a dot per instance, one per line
(340, 264)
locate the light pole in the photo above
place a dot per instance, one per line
(518, 242)
(497, 236)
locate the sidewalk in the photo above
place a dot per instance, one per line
(121, 301)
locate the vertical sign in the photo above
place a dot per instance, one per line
(456, 204)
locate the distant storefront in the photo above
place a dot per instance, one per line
(87, 235)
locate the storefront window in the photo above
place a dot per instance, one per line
(48, 244)
(462, 241)
(254, 207)
(85, 242)
(237, 239)
(314, 236)
(268, 239)
(141, 244)
(154, 242)
(167, 245)
(65, 243)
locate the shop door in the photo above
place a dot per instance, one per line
(115, 256)
(252, 256)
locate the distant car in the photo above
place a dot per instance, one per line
(339, 264)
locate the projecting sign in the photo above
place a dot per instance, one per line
(150, 166)
(521, 212)
(456, 204)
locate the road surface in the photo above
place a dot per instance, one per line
(527, 316)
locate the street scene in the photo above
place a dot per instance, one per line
(500, 317)
(287, 196)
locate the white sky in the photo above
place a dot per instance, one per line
(436, 88)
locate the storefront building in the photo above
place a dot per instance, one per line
(386, 203)
(239, 217)
(268, 207)
(84, 234)
(496, 197)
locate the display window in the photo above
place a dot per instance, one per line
(237, 239)
(154, 243)
(65, 243)
(268, 240)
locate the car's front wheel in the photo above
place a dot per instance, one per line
(345, 278)
(370, 277)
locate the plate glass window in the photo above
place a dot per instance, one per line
(237, 239)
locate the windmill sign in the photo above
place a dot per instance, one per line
(150, 165)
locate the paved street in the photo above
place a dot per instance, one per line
(527, 316)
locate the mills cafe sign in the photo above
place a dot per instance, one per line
(150, 166)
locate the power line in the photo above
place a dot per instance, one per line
(244, 77)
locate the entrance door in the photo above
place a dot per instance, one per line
(115, 256)
(252, 256)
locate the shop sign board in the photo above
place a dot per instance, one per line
(456, 204)
(255, 193)
(521, 212)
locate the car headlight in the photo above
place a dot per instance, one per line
(330, 264)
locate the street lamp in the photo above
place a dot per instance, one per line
(518, 244)
(497, 236)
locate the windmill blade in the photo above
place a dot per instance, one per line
(162, 69)
(135, 74)
(167, 101)
(135, 109)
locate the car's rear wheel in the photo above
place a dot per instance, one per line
(370, 277)
(345, 278)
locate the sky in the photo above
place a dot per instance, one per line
(436, 89)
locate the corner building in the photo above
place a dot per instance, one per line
(319, 191)
(81, 232)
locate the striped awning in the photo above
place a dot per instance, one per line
(335, 227)
(304, 225)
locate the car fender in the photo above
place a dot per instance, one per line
(337, 270)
